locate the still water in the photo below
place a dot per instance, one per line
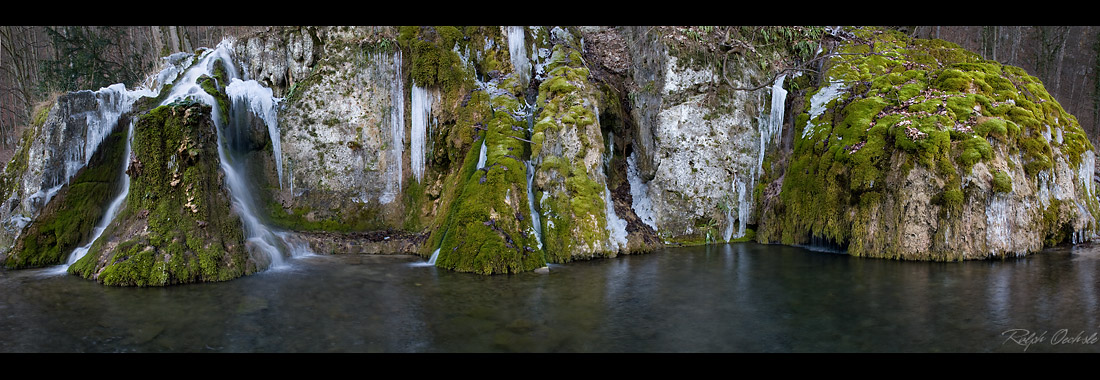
(725, 298)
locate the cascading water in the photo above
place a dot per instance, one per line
(481, 157)
(258, 234)
(742, 212)
(616, 227)
(435, 255)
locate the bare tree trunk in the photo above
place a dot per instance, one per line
(1058, 63)
(996, 36)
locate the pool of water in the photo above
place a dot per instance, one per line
(741, 297)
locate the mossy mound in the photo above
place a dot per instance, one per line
(174, 227)
(488, 229)
(569, 146)
(68, 220)
(889, 104)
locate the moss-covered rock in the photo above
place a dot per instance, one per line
(568, 152)
(918, 149)
(174, 227)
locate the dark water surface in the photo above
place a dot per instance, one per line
(725, 298)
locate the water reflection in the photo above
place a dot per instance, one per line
(723, 298)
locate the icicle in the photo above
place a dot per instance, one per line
(616, 227)
(397, 133)
(998, 230)
(112, 102)
(639, 192)
(774, 125)
(1085, 171)
(518, 52)
(421, 109)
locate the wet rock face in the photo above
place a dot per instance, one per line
(48, 162)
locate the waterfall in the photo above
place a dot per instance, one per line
(397, 132)
(536, 220)
(257, 233)
(421, 110)
(481, 158)
(435, 255)
(743, 209)
(258, 99)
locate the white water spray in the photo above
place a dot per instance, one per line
(435, 255)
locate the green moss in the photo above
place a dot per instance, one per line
(486, 227)
(1002, 183)
(912, 103)
(433, 62)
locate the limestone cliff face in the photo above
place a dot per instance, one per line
(706, 151)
